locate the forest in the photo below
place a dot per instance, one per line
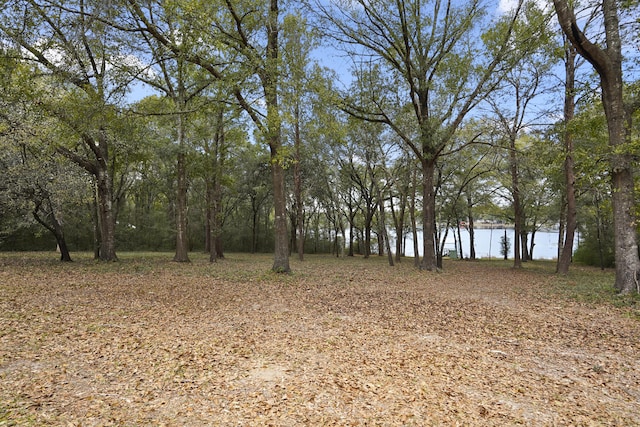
(349, 127)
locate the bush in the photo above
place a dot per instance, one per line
(595, 252)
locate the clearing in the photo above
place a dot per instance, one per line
(342, 342)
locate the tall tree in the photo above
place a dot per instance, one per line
(177, 79)
(239, 27)
(513, 106)
(296, 48)
(607, 61)
(438, 62)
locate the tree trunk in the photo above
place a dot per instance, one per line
(608, 63)
(398, 220)
(517, 208)
(208, 194)
(383, 227)
(459, 237)
(96, 223)
(412, 218)
(182, 244)
(103, 199)
(297, 185)
(352, 216)
(106, 217)
(270, 78)
(56, 229)
(216, 217)
(562, 221)
(532, 244)
(524, 244)
(254, 225)
(571, 223)
(470, 227)
(429, 261)
(281, 256)
(367, 229)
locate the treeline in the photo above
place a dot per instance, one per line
(234, 126)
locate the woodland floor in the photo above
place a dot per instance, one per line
(341, 342)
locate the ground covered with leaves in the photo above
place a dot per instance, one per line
(343, 342)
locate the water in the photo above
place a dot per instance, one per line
(487, 243)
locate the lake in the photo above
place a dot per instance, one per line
(487, 243)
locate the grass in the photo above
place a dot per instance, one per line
(583, 284)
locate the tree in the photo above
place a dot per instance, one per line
(607, 61)
(505, 245)
(512, 104)
(75, 53)
(296, 47)
(182, 84)
(438, 66)
(238, 28)
(37, 182)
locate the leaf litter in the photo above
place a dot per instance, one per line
(342, 342)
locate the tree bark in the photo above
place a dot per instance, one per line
(96, 223)
(55, 228)
(367, 230)
(608, 63)
(517, 207)
(571, 223)
(106, 217)
(429, 261)
(297, 185)
(217, 155)
(470, 227)
(281, 257)
(182, 244)
(270, 79)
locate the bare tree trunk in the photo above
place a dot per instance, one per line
(352, 217)
(254, 226)
(96, 223)
(524, 244)
(517, 208)
(55, 228)
(383, 226)
(398, 220)
(412, 217)
(106, 216)
(459, 238)
(532, 244)
(281, 256)
(208, 194)
(562, 221)
(470, 227)
(182, 244)
(608, 63)
(105, 248)
(429, 261)
(564, 260)
(297, 185)
(367, 230)
(217, 159)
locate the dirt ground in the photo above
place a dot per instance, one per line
(341, 342)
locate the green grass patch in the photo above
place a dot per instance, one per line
(592, 285)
